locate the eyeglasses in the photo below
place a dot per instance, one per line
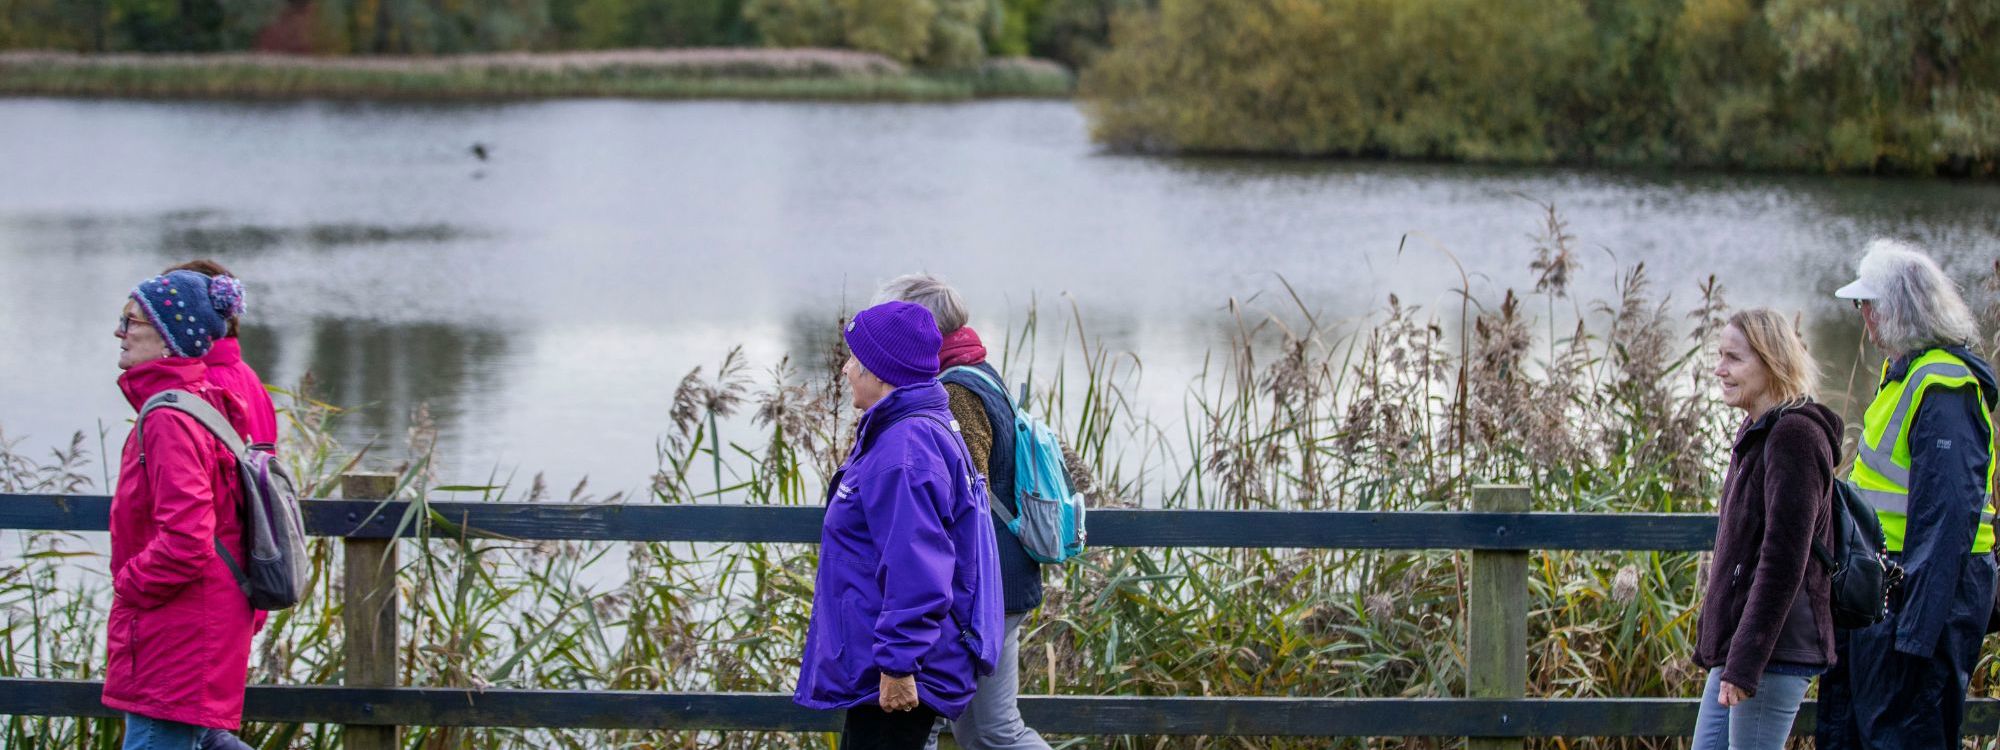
(1858, 303)
(125, 323)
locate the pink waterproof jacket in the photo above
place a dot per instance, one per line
(179, 640)
(227, 371)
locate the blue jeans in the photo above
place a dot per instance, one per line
(144, 733)
(221, 739)
(1760, 723)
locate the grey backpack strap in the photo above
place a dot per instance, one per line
(1000, 509)
(217, 425)
(965, 451)
(193, 406)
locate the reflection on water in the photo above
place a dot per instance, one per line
(208, 232)
(229, 240)
(545, 303)
(381, 373)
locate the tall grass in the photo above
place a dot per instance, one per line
(1403, 412)
(663, 74)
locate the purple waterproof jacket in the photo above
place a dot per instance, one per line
(909, 579)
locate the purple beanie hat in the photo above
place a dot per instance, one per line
(897, 341)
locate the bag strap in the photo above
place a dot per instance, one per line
(193, 406)
(964, 451)
(1839, 508)
(1007, 516)
(985, 378)
(217, 425)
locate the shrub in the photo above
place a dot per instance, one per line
(1739, 83)
(794, 23)
(900, 29)
(957, 38)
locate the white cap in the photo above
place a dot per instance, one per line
(1878, 269)
(1858, 289)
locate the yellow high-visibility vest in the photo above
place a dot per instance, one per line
(1882, 473)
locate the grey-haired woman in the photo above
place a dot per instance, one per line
(1926, 462)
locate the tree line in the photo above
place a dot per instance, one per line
(1822, 85)
(931, 33)
(1904, 86)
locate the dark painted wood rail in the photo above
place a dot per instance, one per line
(373, 519)
(617, 709)
(1499, 535)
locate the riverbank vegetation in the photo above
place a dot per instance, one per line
(670, 74)
(943, 35)
(1886, 86)
(1611, 410)
(431, 50)
(1840, 86)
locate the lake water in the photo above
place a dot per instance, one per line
(544, 303)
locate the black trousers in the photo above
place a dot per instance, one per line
(1877, 698)
(871, 728)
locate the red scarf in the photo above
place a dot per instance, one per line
(962, 348)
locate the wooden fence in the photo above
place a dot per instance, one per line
(1494, 713)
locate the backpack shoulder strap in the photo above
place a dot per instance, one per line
(983, 377)
(965, 452)
(193, 406)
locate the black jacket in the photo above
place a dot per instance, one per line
(1768, 599)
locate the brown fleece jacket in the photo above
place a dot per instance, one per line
(1768, 599)
(972, 424)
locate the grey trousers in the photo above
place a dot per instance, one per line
(993, 720)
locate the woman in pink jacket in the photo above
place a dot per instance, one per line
(227, 370)
(179, 635)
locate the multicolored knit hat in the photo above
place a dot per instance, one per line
(897, 341)
(190, 310)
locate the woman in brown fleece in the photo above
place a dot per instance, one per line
(1766, 628)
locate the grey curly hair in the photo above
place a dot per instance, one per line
(1918, 306)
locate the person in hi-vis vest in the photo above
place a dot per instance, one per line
(1926, 464)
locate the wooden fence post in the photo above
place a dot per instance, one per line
(1497, 664)
(369, 611)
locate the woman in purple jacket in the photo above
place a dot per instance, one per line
(906, 606)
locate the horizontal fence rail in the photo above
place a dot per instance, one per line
(1109, 527)
(1499, 535)
(1086, 715)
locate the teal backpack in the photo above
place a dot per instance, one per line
(1050, 524)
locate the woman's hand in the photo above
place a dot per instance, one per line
(899, 693)
(1731, 695)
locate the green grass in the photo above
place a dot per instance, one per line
(1404, 411)
(741, 75)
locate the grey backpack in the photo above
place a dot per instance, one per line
(279, 565)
